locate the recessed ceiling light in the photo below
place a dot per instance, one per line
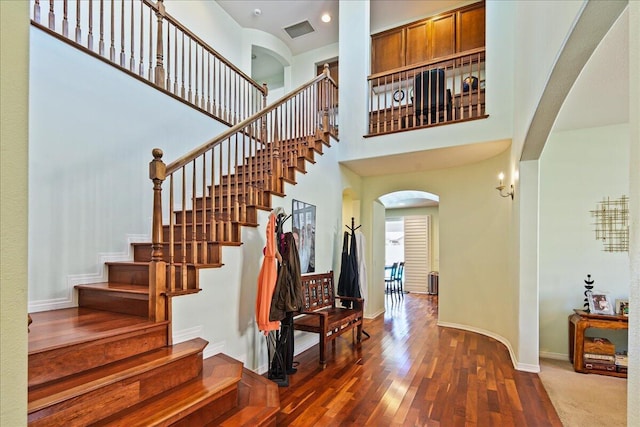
(326, 17)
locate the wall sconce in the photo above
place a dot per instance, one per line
(501, 187)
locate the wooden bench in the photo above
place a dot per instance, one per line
(320, 314)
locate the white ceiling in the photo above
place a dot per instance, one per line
(275, 15)
(589, 104)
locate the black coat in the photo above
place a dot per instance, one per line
(287, 295)
(348, 283)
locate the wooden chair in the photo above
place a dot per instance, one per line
(390, 280)
(399, 278)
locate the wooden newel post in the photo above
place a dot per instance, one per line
(157, 266)
(326, 104)
(159, 70)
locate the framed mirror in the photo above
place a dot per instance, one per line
(304, 233)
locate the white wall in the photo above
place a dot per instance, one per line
(304, 64)
(540, 31)
(578, 169)
(84, 206)
(215, 27)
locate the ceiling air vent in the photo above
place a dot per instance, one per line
(299, 29)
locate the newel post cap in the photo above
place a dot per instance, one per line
(157, 168)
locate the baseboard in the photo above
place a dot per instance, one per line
(53, 304)
(371, 316)
(196, 332)
(213, 349)
(187, 334)
(71, 299)
(555, 356)
(525, 367)
(304, 342)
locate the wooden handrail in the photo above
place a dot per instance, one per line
(429, 63)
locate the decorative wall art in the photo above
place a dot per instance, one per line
(304, 232)
(612, 224)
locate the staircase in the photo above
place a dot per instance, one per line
(111, 361)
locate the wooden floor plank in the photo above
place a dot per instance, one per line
(411, 372)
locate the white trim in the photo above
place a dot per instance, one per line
(519, 366)
(555, 356)
(212, 350)
(53, 304)
(71, 300)
(196, 332)
(374, 315)
(304, 341)
(187, 334)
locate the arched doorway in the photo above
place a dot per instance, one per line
(411, 236)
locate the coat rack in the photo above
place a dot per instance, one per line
(349, 281)
(282, 346)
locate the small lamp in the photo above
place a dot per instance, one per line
(501, 187)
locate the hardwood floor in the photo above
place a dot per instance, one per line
(413, 373)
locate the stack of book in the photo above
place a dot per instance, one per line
(599, 354)
(621, 362)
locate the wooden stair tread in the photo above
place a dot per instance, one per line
(76, 385)
(115, 287)
(258, 403)
(59, 328)
(219, 374)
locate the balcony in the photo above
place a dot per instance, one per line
(448, 90)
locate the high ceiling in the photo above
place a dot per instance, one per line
(273, 16)
(589, 104)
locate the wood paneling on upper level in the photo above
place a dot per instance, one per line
(451, 32)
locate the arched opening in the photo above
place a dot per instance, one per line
(268, 67)
(411, 241)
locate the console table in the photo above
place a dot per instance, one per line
(579, 321)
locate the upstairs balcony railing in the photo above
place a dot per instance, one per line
(448, 90)
(142, 39)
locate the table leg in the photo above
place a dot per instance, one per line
(578, 348)
(572, 337)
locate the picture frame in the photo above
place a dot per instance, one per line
(622, 307)
(600, 303)
(304, 233)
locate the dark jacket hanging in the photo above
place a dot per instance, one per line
(348, 281)
(287, 296)
(345, 270)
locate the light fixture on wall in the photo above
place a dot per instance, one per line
(501, 187)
